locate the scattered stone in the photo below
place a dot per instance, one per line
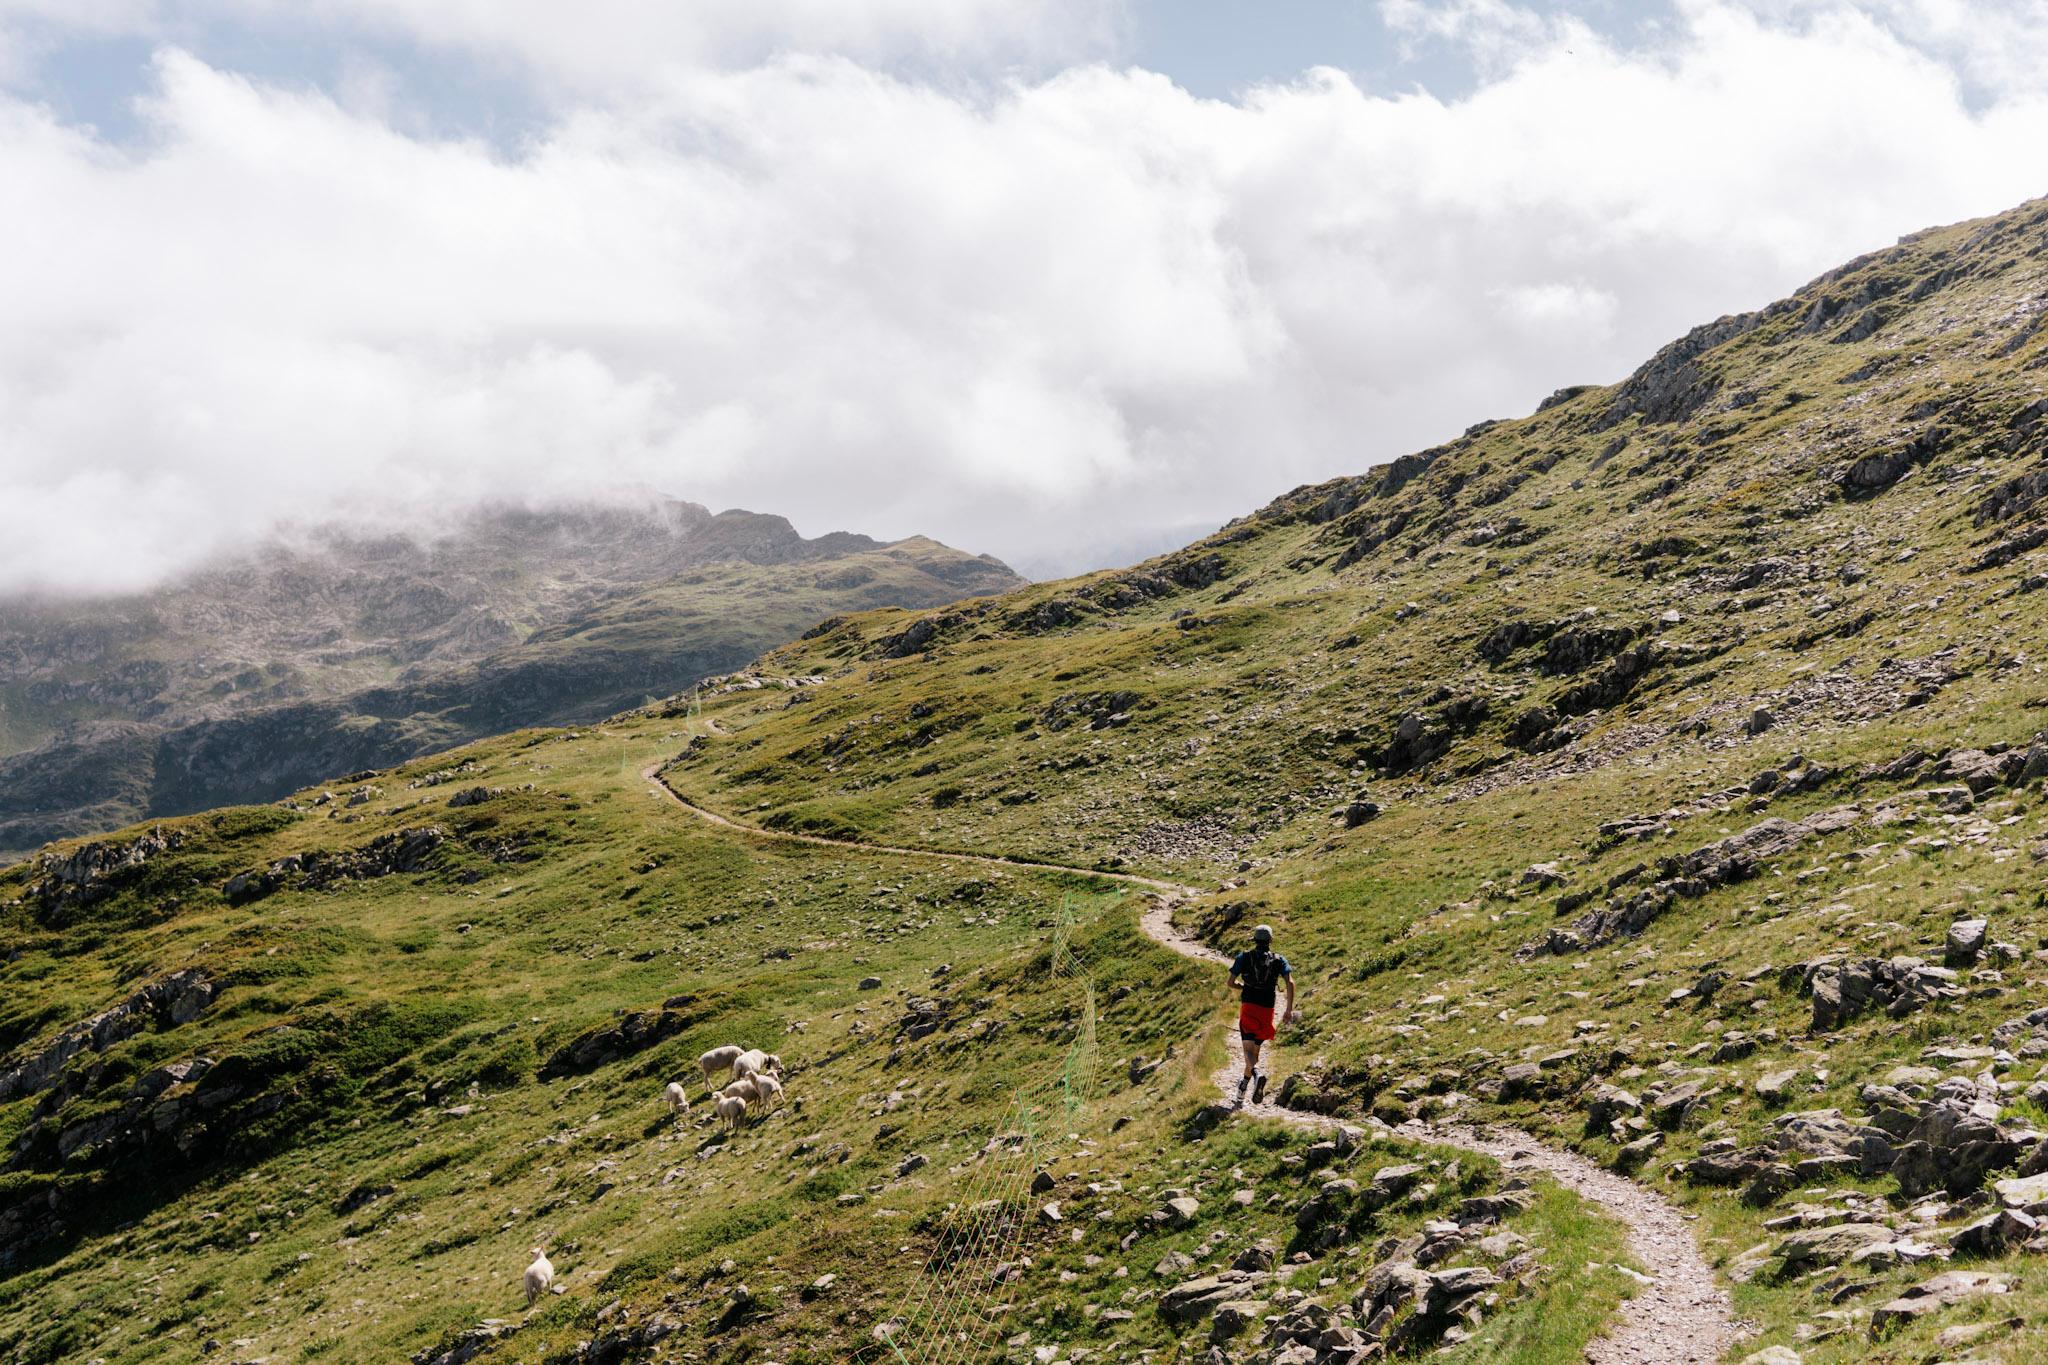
(1772, 1355)
(1774, 1087)
(1994, 1233)
(1193, 1300)
(1944, 1290)
(1826, 1246)
(1965, 942)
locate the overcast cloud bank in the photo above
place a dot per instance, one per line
(915, 276)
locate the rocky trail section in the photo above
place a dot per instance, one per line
(1681, 1317)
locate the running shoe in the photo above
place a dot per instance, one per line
(1259, 1089)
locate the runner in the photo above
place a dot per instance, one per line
(1258, 974)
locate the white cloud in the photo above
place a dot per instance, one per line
(1999, 49)
(1494, 32)
(1041, 317)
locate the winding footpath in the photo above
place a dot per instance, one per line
(1681, 1316)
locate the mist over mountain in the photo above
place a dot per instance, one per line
(339, 649)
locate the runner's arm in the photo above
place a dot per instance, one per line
(1287, 984)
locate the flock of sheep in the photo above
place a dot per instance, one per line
(754, 1080)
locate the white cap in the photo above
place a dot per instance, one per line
(1264, 931)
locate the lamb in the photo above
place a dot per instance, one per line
(717, 1060)
(746, 1088)
(769, 1089)
(731, 1108)
(539, 1276)
(678, 1098)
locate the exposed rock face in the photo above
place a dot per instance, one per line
(1194, 1300)
(1675, 383)
(1843, 988)
(1942, 1291)
(175, 999)
(1830, 1245)
(1950, 1141)
(92, 873)
(1704, 869)
(1824, 1135)
(406, 850)
(633, 1032)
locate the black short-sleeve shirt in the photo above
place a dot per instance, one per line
(1260, 972)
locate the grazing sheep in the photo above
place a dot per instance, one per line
(717, 1060)
(769, 1089)
(678, 1098)
(746, 1088)
(539, 1276)
(754, 1062)
(731, 1108)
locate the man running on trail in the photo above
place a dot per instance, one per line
(1258, 974)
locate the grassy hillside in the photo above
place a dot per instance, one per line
(415, 1076)
(1500, 735)
(1630, 772)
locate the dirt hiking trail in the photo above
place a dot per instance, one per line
(1681, 1316)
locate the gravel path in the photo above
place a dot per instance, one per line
(1680, 1317)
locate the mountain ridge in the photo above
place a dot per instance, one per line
(342, 651)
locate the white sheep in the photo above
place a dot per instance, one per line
(539, 1276)
(754, 1062)
(769, 1089)
(731, 1108)
(746, 1088)
(717, 1060)
(678, 1098)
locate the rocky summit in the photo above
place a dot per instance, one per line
(1650, 794)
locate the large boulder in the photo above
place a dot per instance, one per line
(1842, 988)
(1825, 1246)
(1193, 1300)
(1825, 1134)
(1965, 942)
(1942, 1291)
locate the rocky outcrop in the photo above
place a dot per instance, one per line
(405, 850)
(1706, 868)
(175, 999)
(1949, 1141)
(1842, 988)
(632, 1032)
(1098, 710)
(461, 1347)
(1674, 383)
(92, 872)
